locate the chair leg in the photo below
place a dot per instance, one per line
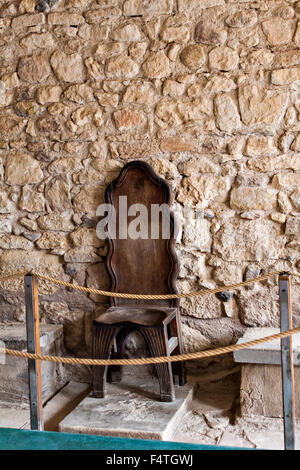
(157, 341)
(103, 338)
(178, 367)
(114, 373)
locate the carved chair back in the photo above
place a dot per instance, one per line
(143, 265)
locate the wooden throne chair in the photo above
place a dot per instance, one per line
(140, 266)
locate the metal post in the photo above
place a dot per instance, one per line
(33, 346)
(288, 394)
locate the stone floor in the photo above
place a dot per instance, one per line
(211, 418)
(214, 419)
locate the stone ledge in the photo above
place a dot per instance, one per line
(13, 370)
(14, 335)
(266, 353)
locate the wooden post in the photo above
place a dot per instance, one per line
(288, 392)
(33, 346)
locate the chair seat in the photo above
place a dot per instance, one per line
(144, 315)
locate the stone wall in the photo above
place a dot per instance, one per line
(206, 91)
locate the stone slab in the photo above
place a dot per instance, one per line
(265, 353)
(14, 335)
(57, 408)
(130, 409)
(13, 370)
(261, 390)
(261, 379)
(63, 403)
(13, 416)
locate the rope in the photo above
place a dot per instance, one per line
(152, 360)
(160, 296)
(202, 292)
(14, 275)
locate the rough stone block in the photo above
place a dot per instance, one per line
(142, 7)
(14, 372)
(65, 18)
(261, 380)
(285, 76)
(249, 240)
(261, 392)
(25, 21)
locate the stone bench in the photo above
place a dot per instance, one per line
(261, 385)
(14, 371)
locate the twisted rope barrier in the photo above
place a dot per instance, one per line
(105, 293)
(13, 276)
(149, 360)
(158, 296)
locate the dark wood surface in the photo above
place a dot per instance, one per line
(141, 315)
(140, 266)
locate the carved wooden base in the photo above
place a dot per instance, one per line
(157, 341)
(103, 338)
(156, 338)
